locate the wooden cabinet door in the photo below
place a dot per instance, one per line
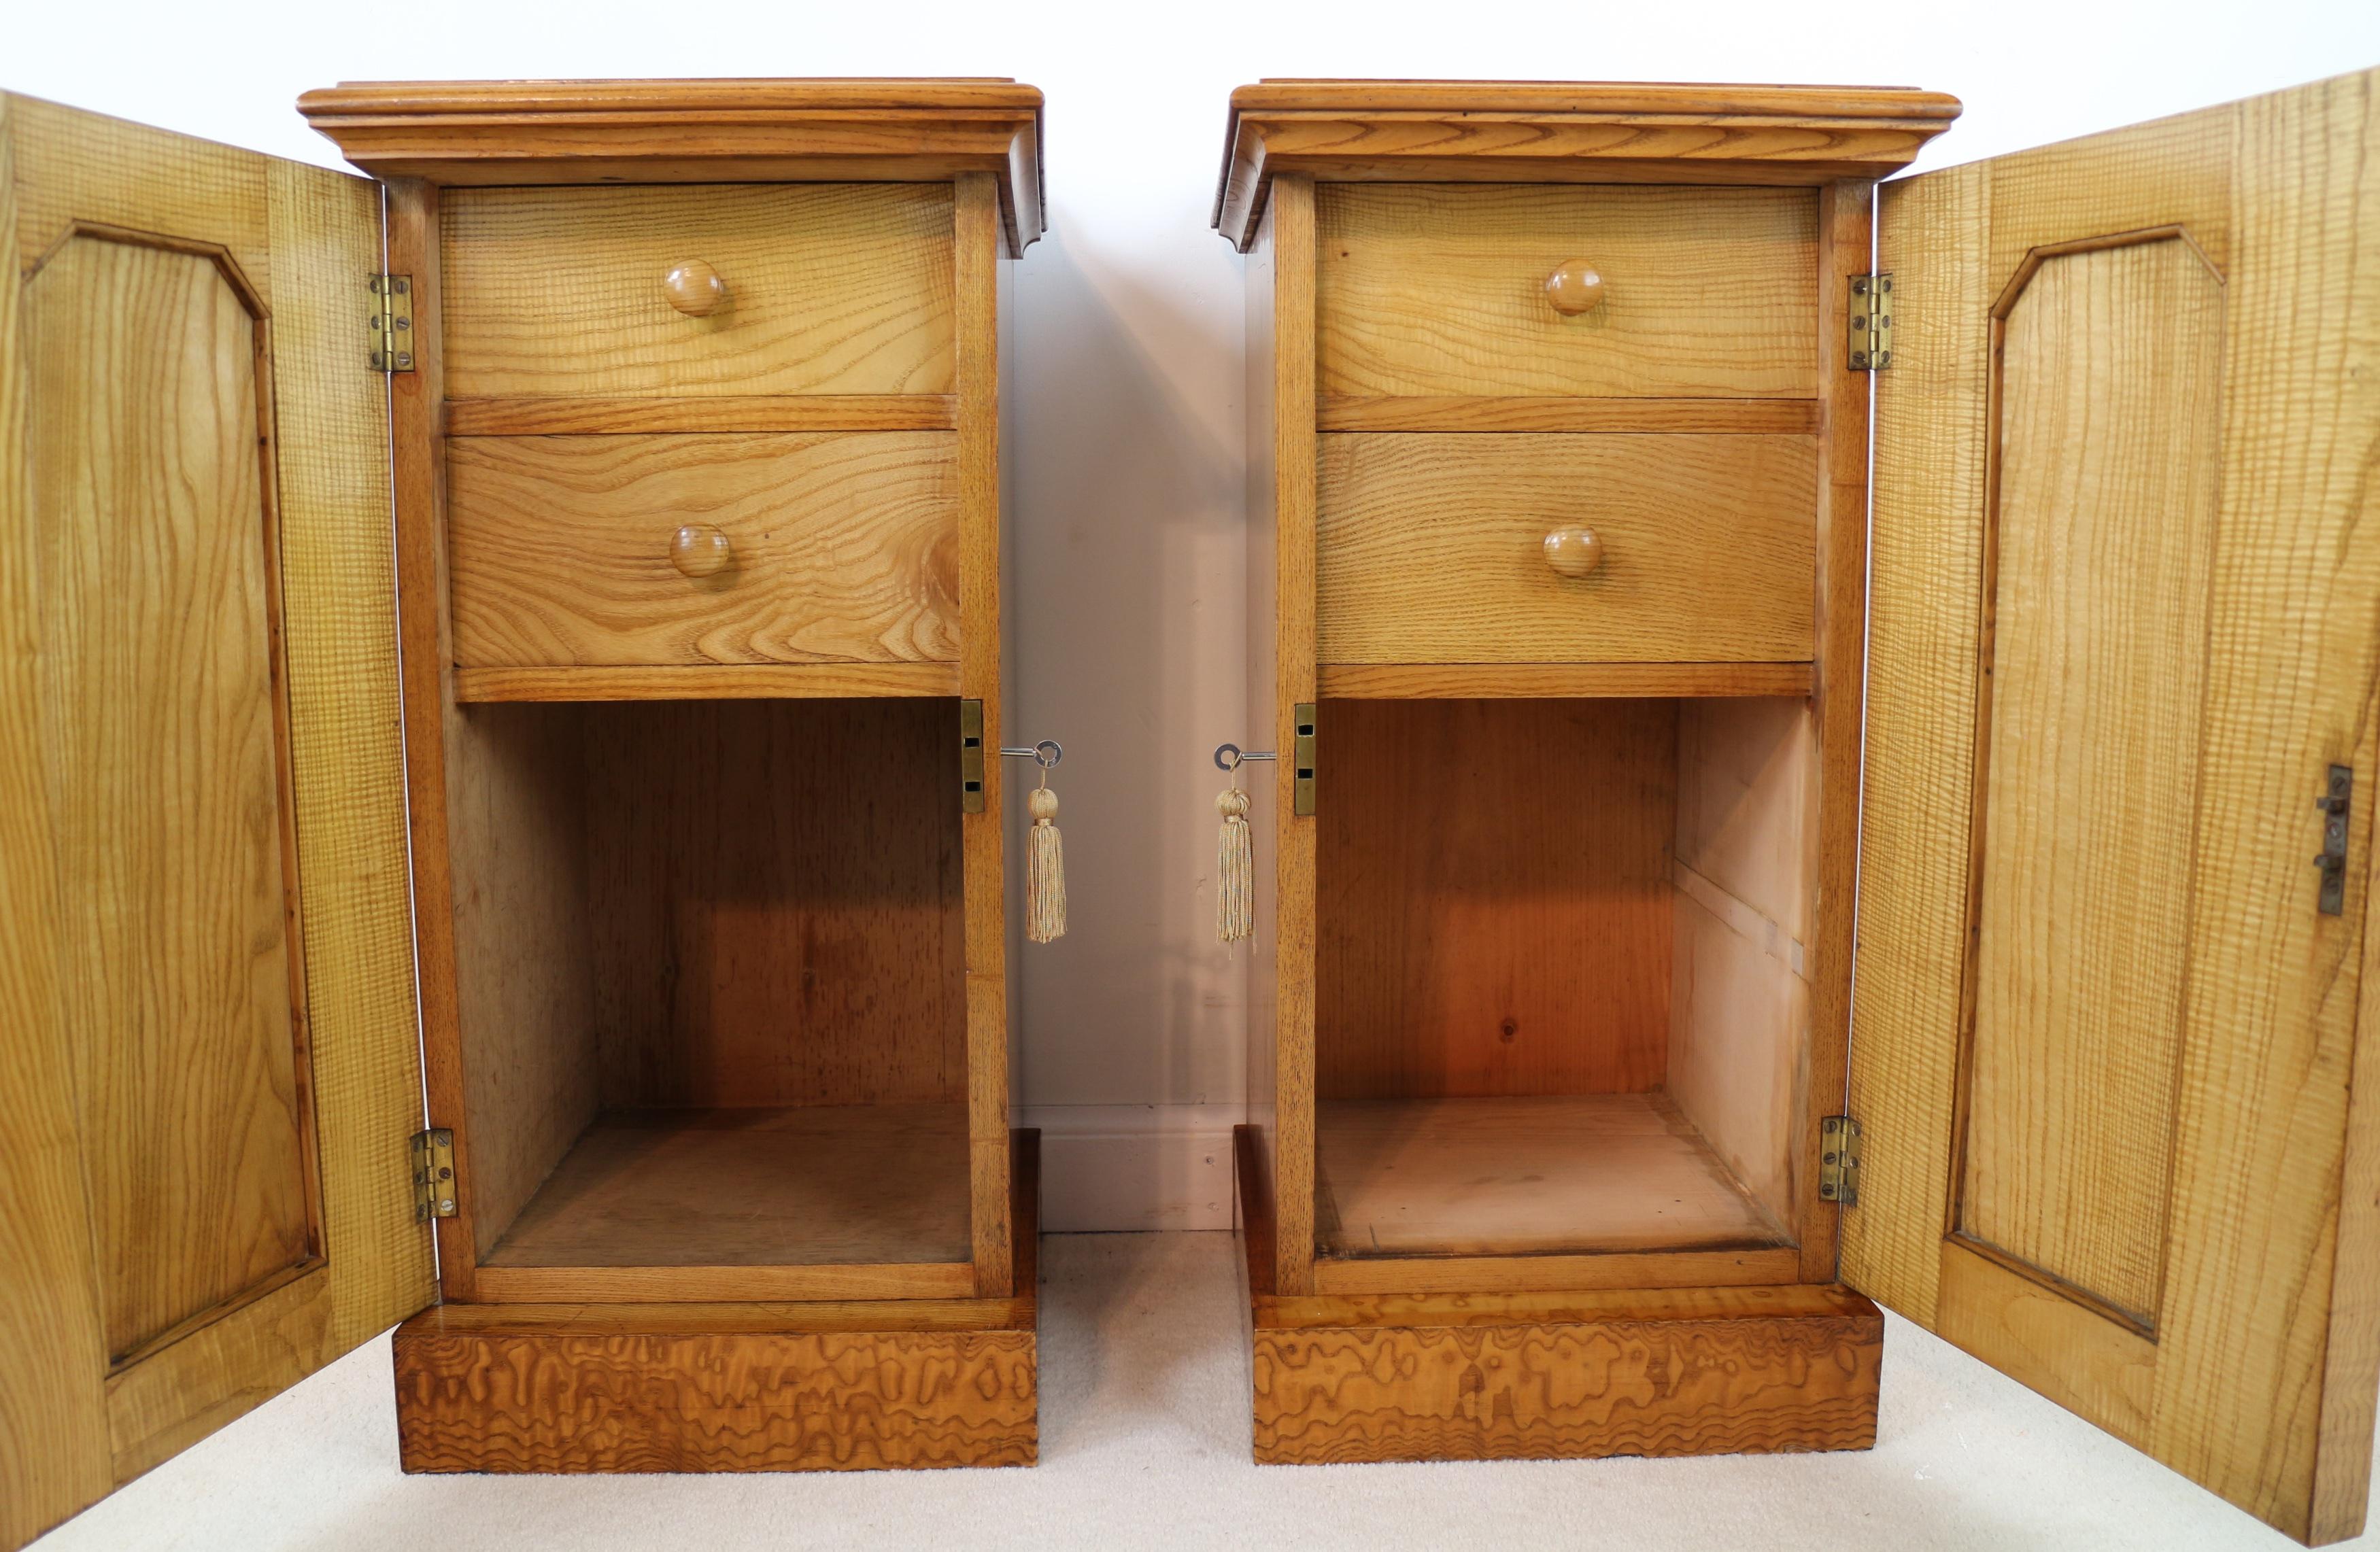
(209, 1065)
(2120, 1137)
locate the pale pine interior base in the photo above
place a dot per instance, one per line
(1525, 1175)
(811, 1185)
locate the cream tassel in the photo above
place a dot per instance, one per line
(1235, 905)
(1044, 870)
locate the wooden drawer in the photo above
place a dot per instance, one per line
(830, 288)
(1431, 548)
(843, 549)
(1439, 290)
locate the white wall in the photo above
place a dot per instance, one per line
(1128, 455)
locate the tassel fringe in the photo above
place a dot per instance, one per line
(1235, 907)
(1044, 872)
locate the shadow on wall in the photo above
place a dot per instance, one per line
(1128, 619)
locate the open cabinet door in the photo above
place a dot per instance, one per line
(2118, 1127)
(209, 1069)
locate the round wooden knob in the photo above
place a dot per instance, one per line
(699, 550)
(1575, 289)
(1573, 551)
(693, 288)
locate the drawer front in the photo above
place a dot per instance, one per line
(562, 550)
(1430, 548)
(1440, 290)
(826, 288)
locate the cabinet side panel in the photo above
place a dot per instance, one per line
(1263, 817)
(978, 247)
(54, 1453)
(1925, 599)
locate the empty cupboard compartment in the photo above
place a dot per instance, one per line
(1561, 994)
(710, 979)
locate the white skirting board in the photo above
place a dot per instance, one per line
(1111, 1167)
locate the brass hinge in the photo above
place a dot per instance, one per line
(389, 323)
(970, 757)
(1871, 325)
(1301, 792)
(1839, 1160)
(433, 1174)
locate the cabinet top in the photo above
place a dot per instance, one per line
(860, 130)
(1452, 131)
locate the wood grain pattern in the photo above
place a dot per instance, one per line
(1585, 132)
(1846, 227)
(1487, 1276)
(1439, 290)
(1292, 654)
(435, 754)
(1925, 598)
(808, 681)
(217, 1371)
(2108, 405)
(845, 549)
(832, 288)
(1350, 412)
(530, 1072)
(166, 787)
(891, 1280)
(738, 1388)
(1493, 680)
(751, 1186)
(1552, 1374)
(75, 166)
(54, 1454)
(763, 928)
(2352, 1361)
(2075, 1356)
(1526, 1176)
(1480, 929)
(1616, 1387)
(662, 1402)
(1741, 1034)
(2281, 193)
(698, 131)
(757, 412)
(345, 742)
(2296, 585)
(1431, 548)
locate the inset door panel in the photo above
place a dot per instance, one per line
(151, 459)
(2108, 399)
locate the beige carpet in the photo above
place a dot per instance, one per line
(1144, 1444)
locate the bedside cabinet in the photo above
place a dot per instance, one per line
(1612, 719)
(638, 805)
